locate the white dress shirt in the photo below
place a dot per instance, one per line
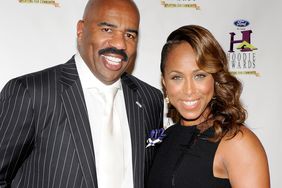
(91, 87)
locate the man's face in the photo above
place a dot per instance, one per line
(107, 38)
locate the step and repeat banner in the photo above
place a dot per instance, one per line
(36, 34)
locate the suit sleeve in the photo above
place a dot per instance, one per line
(16, 132)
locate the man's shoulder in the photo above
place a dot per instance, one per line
(133, 80)
(47, 72)
(42, 77)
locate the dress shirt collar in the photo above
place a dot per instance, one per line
(87, 78)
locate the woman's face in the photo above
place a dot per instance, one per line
(189, 89)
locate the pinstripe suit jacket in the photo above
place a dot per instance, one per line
(45, 137)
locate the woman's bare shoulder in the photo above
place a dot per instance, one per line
(245, 159)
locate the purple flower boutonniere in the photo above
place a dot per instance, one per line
(155, 136)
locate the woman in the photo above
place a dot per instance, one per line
(209, 146)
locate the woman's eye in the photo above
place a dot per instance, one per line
(176, 77)
(200, 76)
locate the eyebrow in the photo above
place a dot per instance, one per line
(179, 72)
(194, 71)
(106, 24)
(115, 26)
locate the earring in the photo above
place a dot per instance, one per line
(167, 100)
(213, 102)
(168, 122)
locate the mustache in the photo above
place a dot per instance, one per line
(114, 51)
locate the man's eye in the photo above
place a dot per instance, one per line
(130, 35)
(106, 30)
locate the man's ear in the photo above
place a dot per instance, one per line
(79, 29)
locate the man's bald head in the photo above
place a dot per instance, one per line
(93, 5)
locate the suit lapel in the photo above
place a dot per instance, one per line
(135, 115)
(75, 107)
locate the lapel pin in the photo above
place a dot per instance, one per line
(138, 104)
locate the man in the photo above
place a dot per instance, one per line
(51, 122)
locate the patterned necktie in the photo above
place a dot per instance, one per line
(111, 149)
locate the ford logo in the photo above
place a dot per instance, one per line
(241, 23)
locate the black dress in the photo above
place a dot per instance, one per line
(185, 160)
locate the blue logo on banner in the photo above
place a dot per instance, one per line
(241, 23)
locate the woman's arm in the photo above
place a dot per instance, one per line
(246, 161)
